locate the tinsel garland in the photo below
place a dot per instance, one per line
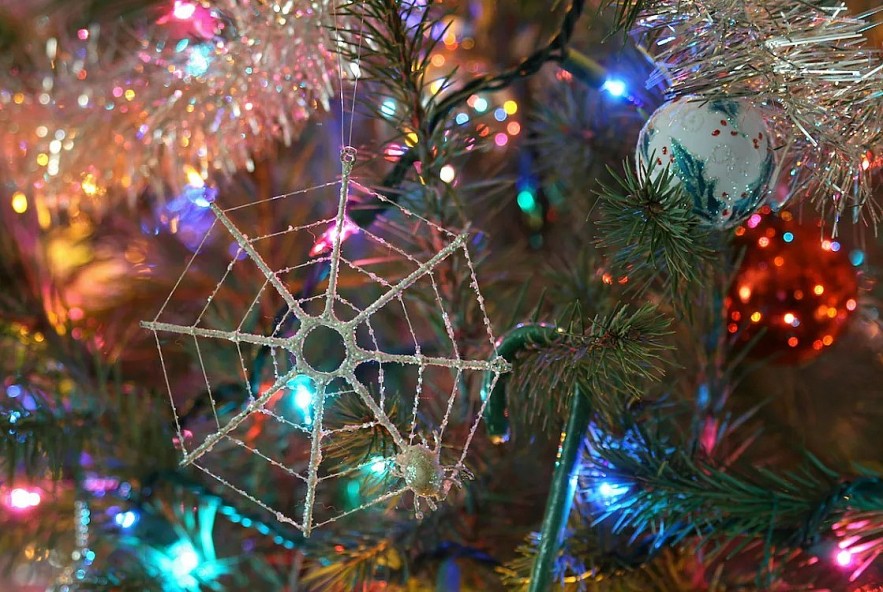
(192, 93)
(805, 63)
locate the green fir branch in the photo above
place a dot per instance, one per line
(675, 498)
(611, 357)
(626, 12)
(589, 563)
(401, 67)
(41, 440)
(354, 447)
(653, 237)
(354, 564)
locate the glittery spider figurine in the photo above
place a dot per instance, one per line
(421, 468)
(345, 315)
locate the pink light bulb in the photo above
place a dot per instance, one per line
(843, 558)
(188, 18)
(23, 499)
(326, 242)
(183, 10)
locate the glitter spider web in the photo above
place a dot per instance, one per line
(417, 467)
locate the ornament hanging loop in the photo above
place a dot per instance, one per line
(348, 158)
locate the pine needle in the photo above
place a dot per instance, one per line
(652, 235)
(611, 357)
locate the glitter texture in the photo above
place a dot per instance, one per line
(342, 310)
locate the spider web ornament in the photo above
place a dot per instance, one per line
(326, 347)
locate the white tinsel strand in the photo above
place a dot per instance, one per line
(127, 110)
(806, 63)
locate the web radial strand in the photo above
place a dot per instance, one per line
(258, 260)
(347, 160)
(315, 455)
(232, 336)
(379, 414)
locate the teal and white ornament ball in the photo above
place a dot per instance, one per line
(720, 152)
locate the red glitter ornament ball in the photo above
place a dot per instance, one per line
(799, 289)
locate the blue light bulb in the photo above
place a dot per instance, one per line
(615, 87)
(126, 519)
(610, 492)
(303, 389)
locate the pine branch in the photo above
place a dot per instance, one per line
(355, 565)
(392, 44)
(37, 440)
(586, 563)
(626, 12)
(354, 447)
(649, 229)
(674, 497)
(613, 359)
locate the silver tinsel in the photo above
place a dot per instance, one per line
(805, 63)
(111, 111)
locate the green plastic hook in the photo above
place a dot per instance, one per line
(564, 477)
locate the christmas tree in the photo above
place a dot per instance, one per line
(430, 295)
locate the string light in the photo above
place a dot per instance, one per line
(326, 241)
(615, 87)
(19, 202)
(843, 558)
(303, 390)
(610, 492)
(388, 108)
(21, 499)
(183, 560)
(194, 179)
(378, 467)
(447, 173)
(198, 61)
(183, 10)
(526, 201)
(126, 519)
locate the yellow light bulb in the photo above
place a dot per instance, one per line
(19, 202)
